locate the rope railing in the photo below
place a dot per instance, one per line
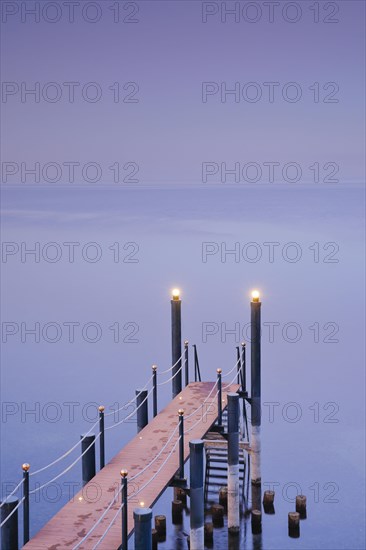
(66, 469)
(211, 396)
(99, 520)
(109, 526)
(131, 414)
(131, 496)
(12, 512)
(174, 375)
(201, 417)
(12, 493)
(172, 367)
(202, 404)
(94, 425)
(156, 457)
(207, 411)
(158, 470)
(131, 401)
(65, 454)
(231, 370)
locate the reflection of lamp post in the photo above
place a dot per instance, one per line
(176, 342)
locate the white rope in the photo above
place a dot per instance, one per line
(133, 495)
(157, 471)
(65, 454)
(11, 494)
(100, 519)
(205, 413)
(109, 526)
(171, 378)
(231, 370)
(66, 469)
(172, 367)
(131, 414)
(202, 404)
(229, 384)
(12, 512)
(201, 418)
(131, 400)
(156, 457)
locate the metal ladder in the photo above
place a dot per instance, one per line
(217, 465)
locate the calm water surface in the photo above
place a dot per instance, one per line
(313, 332)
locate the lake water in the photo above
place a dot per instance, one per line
(104, 319)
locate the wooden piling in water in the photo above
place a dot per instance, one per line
(160, 526)
(256, 521)
(301, 506)
(9, 531)
(233, 499)
(142, 409)
(223, 497)
(177, 512)
(294, 525)
(88, 459)
(217, 512)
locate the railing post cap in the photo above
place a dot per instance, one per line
(180, 412)
(154, 367)
(219, 371)
(243, 344)
(25, 467)
(186, 343)
(124, 473)
(101, 408)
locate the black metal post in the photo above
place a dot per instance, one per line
(25, 469)
(195, 362)
(219, 398)
(181, 443)
(243, 367)
(238, 365)
(88, 459)
(124, 510)
(155, 390)
(176, 343)
(186, 354)
(101, 438)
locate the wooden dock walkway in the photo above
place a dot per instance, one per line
(67, 528)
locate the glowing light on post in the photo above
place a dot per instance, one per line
(255, 296)
(176, 293)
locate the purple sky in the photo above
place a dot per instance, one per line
(169, 52)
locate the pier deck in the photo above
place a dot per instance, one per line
(73, 521)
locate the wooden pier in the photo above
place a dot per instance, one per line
(70, 525)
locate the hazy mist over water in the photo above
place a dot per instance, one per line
(313, 358)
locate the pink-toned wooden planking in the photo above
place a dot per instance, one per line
(75, 519)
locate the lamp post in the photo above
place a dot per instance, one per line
(255, 308)
(176, 342)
